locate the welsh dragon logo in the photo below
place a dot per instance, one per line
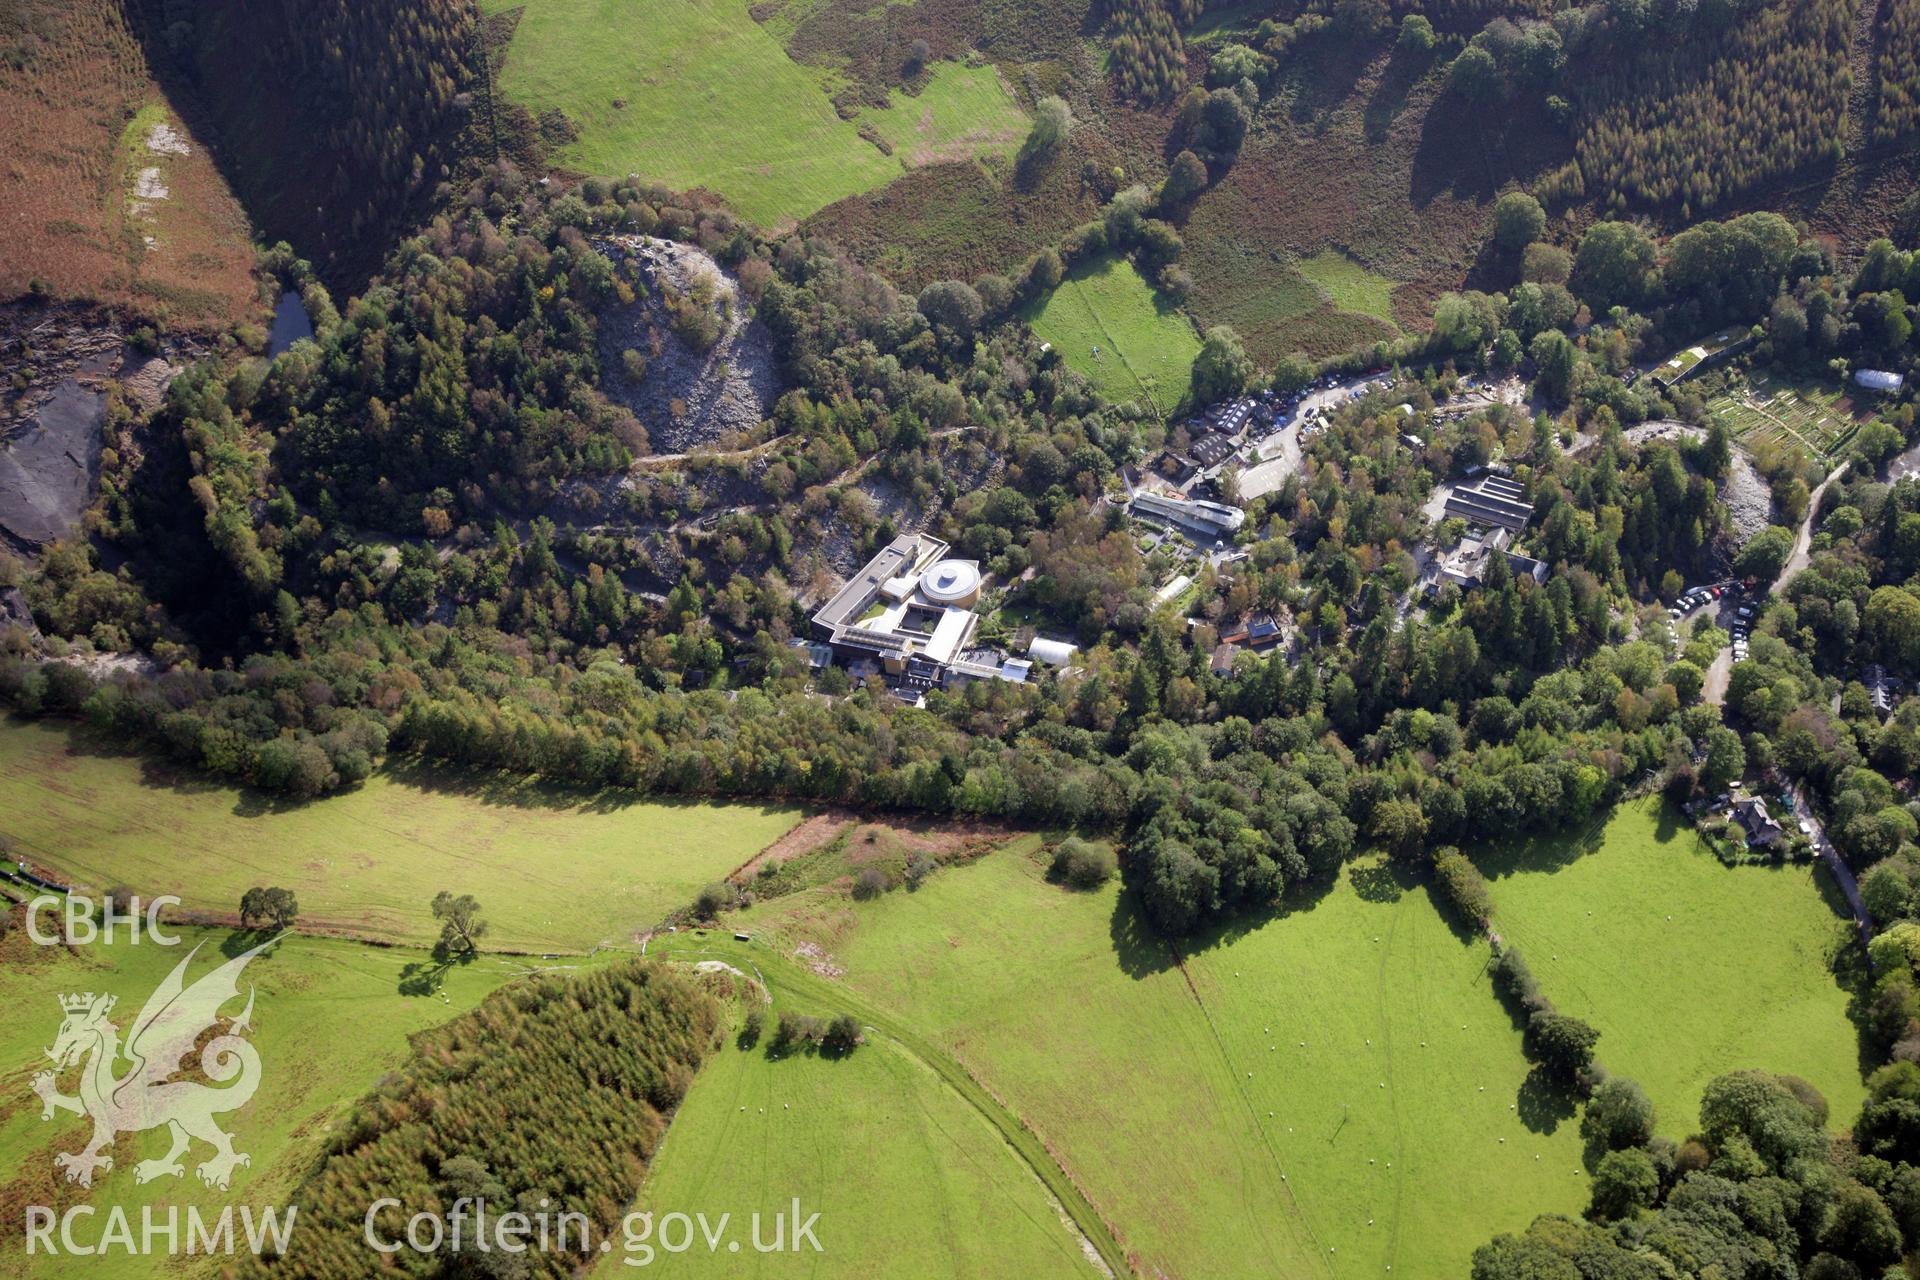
(147, 1095)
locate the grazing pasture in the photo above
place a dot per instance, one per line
(1140, 1076)
(329, 1018)
(961, 113)
(1109, 324)
(1350, 287)
(1387, 1079)
(908, 1179)
(554, 871)
(695, 93)
(692, 93)
(958, 221)
(1689, 968)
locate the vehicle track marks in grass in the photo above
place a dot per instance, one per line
(1320, 1249)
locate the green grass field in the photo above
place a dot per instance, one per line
(1408, 1124)
(961, 113)
(695, 93)
(1108, 323)
(1278, 305)
(1813, 417)
(908, 1180)
(1349, 286)
(1153, 1086)
(1688, 968)
(328, 1020)
(555, 871)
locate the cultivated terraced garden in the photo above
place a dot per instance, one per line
(1811, 416)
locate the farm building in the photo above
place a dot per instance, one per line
(1496, 502)
(1173, 468)
(1211, 450)
(1234, 417)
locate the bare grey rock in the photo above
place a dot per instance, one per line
(1749, 499)
(687, 398)
(48, 470)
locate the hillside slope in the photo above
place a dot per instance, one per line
(334, 121)
(107, 193)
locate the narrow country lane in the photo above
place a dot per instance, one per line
(1714, 688)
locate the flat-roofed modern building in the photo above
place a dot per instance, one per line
(910, 611)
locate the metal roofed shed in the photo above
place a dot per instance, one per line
(1211, 520)
(1057, 653)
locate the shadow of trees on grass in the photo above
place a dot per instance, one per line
(1544, 1101)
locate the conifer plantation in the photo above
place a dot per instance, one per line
(549, 1098)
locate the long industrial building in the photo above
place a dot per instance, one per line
(1496, 502)
(1207, 521)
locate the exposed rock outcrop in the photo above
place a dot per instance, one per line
(687, 356)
